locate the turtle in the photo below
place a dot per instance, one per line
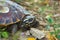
(13, 17)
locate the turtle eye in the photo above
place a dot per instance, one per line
(30, 20)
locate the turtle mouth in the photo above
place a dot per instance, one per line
(4, 9)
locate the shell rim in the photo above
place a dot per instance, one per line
(9, 23)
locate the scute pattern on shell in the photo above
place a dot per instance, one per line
(14, 15)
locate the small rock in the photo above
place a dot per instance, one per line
(37, 33)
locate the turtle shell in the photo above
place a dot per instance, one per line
(14, 14)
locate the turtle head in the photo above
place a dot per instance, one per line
(28, 22)
(29, 19)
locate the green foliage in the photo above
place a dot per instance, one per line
(47, 27)
(49, 19)
(52, 33)
(56, 27)
(3, 33)
(58, 36)
(57, 32)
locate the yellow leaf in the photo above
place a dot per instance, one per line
(50, 37)
(31, 38)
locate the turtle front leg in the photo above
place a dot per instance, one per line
(14, 29)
